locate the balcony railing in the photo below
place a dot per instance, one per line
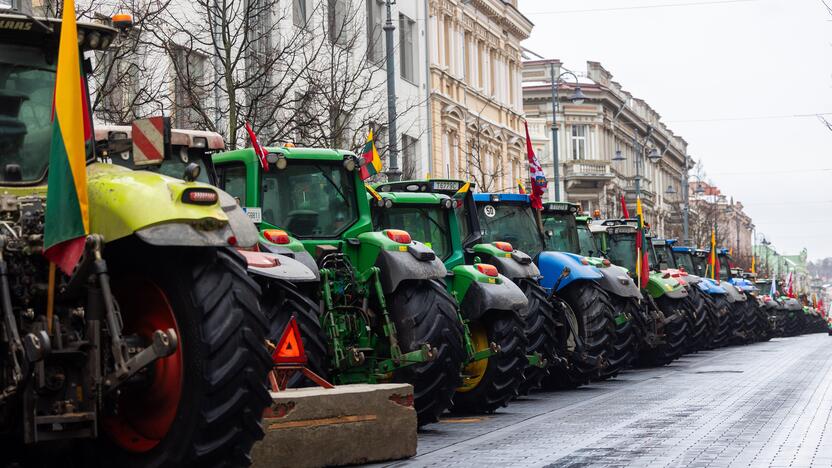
(588, 169)
(647, 193)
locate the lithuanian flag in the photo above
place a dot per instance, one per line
(67, 213)
(371, 163)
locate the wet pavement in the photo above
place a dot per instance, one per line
(767, 404)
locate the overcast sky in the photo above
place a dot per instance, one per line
(729, 77)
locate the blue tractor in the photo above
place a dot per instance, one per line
(569, 279)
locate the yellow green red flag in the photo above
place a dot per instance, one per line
(371, 162)
(67, 212)
(713, 260)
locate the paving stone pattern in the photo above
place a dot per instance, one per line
(766, 404)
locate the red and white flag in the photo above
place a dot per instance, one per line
(258, 149)
(536, 174)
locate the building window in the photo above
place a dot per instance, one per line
(579, 141)
(337, 21)
(407, 48)
(300, 12)
(189, 86)
(409, 157)
(375, 25)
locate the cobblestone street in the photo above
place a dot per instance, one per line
(767, 404)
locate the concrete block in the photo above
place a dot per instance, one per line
(350, 424)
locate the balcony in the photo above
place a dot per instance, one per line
(587, 169)
(647, 194)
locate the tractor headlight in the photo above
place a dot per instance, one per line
(388, 204)
(447, 204)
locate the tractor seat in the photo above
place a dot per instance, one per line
(302, 222)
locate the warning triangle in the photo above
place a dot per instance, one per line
(289, 349)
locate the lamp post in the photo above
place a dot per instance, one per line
(577, 97)
(393, 172)
(698, 191)
(638, 149)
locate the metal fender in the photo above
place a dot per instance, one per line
(123, 202)
(244, 229)
(479, 294)
(276, 266)
(551, 266)
(617, 282)
(512, 265)
(734, 295)
(710, 287)
(412, 263)
(301, 255)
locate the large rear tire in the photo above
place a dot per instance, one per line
(424, 313)
(282, 301)
(541, 334)
(626, 341)
(722, 309)
(491, 383)
(596, 329)
(698, 320)
(203, 404)
(675, 333)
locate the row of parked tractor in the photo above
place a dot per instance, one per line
(154, 349)
(473, 298)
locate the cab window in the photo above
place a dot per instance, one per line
(232, 179)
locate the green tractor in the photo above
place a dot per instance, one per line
(667, 296)
(379, 305)
(568, 232)
(152, 350)
(543, 332)
(490, 304)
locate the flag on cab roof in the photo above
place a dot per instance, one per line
(370, 161)
(537, 176)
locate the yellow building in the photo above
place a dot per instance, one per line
(475, 102)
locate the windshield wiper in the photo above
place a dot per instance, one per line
(439, 226)
(332, 183)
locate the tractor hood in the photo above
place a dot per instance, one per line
(159, 210)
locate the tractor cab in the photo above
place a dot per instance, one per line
(560, 227)
(28, 61)
(620, 239)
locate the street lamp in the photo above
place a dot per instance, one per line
(670, 190)
(653, 156)
(618, 156)
(577, 97)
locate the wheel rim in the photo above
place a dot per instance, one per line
(143, 416)
(475, 371)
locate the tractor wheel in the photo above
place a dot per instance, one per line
(752, 328)
(424, 313)
(489, 384)
(541, 334)
(626, 341)
(698, 321)
(722, 309)
(675, 332)
(596, 329)
(738, 334)
(281, 301)
(202, 405)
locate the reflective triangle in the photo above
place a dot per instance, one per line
(289, 349)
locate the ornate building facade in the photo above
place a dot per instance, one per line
(475, 102)
(605, 144)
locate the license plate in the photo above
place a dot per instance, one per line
(445, 185)
(254, 214)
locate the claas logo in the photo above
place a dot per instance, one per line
(16, 25)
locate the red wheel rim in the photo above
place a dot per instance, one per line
(144, 416)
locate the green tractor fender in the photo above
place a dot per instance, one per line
(513, 265)
(478, 293)
(661, 285)
(160, 211)
(398, 261)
